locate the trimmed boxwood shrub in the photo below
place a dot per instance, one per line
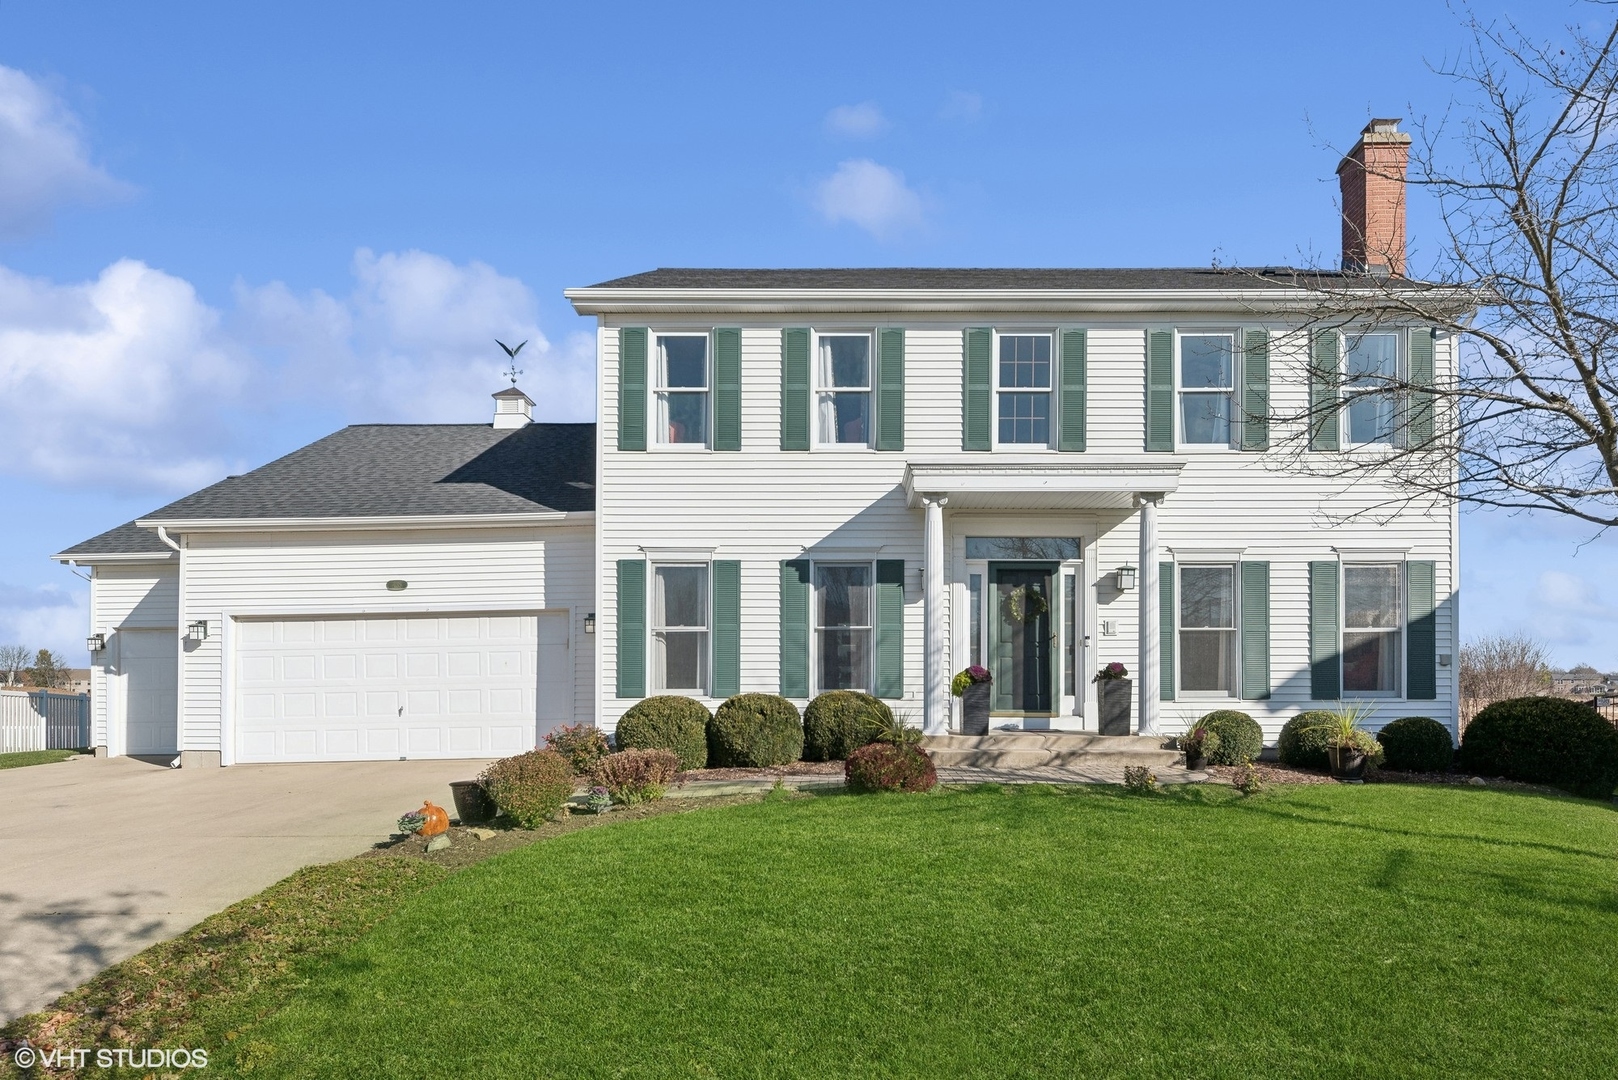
(1544, 740)
(1416, 744)
(839, 722)
(1240, 737)
(754, 731)
(667, 722)
(530, 788)
(885, 766)
(1303, 740)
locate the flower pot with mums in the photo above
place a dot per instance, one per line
(973, 686)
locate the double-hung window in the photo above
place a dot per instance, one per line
(680, 628)
(1024, 389)
(843, 390)
(682, 389)
(1208, 660)
(1207, 388)
(1372, 616)
(843, 629)
(1370, 382)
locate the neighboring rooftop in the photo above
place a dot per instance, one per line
(1146, 278)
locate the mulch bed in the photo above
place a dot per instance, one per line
(797, 768)
(1272, 772)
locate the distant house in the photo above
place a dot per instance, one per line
(1583, 682)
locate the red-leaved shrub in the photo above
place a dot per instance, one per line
(530, 788)
(582, 745)
(633, 775)
(888, 767)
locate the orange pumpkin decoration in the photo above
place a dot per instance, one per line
(437, 820)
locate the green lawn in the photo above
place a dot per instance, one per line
(1379, 931)
(36, 757)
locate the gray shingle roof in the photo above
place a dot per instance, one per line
(980, 278)
(411, 470)
(126, 539)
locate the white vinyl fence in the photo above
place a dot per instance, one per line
(41, 720)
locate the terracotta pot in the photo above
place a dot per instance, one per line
(1347, 764)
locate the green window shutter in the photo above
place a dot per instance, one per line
(890, 628)
(631, 628)
(632, 388)
(1325, 633)
(1160, 391)
(727, 628)
(977, 397)
(1256, 392)
(1421, 645)
(1255, 630)
(890, 389)
(727, 389)
(795, 389)
(1421, 382)
(1324, 427)
(1074, 391)
(1167, 619)
(795, 629)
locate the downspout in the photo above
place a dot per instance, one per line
(163, 535)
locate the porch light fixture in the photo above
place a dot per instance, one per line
(1124, 577)
(197, 631)
(96, 642)
(590, 623)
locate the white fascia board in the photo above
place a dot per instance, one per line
(1119, 476)
(369, 524)
(1280, 300)
(115, 557)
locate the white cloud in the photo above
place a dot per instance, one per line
(415, 341)
(963, 105)
(869, 195)
(1568, 608)
(45, 618)
(44, 163)
(862, 121)
(112, 381)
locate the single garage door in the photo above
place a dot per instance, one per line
(387, 688)
(148, 663)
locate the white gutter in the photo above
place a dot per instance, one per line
(163, 535)
(113, 557)
(350, 524)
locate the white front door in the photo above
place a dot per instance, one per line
(399, 687)
(148, 667)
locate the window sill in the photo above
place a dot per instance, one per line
(679, 448)
(841, 448)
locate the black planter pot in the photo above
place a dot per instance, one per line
(1114, 696)
(472, 804)
(1347, 764)
(1195, 761)
(975, 708)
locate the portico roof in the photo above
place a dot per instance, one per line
(1089, 483)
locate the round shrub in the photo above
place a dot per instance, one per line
(754, 731)
(839, 722)
(631, 776)
(1416, 744)
(581, 745)
(1240, 738)
(529, 788)
(887, 766)
(1303, 740)
(1544, 740)
(667, 722)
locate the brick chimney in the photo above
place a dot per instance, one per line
(1372, 179)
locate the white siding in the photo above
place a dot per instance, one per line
(137, 596)
(291, 574)
(762, 505)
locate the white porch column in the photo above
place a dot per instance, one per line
(935, 706)
(1147, 673)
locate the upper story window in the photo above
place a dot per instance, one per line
(843, 389)
(682, 389)
(843, 628)
(1207, 388)
(1372, 616)
(1208, 629)
(680, 628)
(1024, 389)
(1372, 367)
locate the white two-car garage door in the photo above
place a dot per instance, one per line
(399, 687)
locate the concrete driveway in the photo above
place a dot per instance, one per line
(100, 858)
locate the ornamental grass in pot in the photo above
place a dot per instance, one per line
(1198, 744)
(1350, 749)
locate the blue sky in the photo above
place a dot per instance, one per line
(225, 231)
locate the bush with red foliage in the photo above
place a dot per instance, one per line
(886, 766)
(633, 775)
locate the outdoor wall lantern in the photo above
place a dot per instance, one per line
(96, 642)
(590, 623)
(197, 631)
(1124, 577)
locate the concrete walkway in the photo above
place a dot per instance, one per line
(1053, 774)
(99, 858)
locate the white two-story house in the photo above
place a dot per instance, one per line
(808, 480)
